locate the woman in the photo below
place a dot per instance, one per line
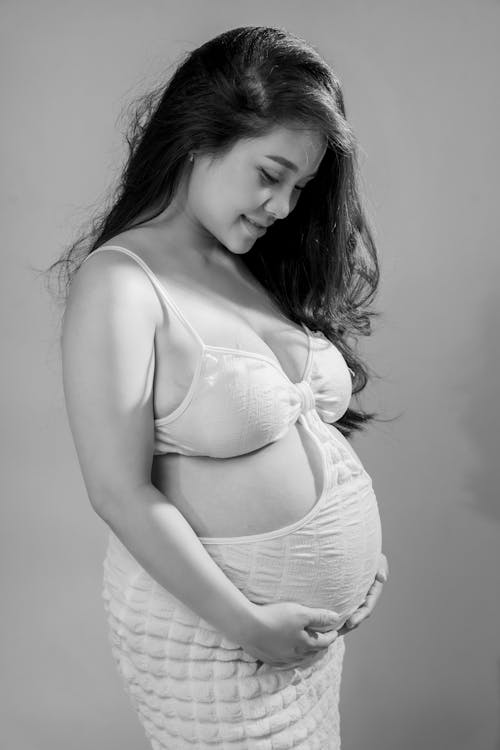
(208, 376)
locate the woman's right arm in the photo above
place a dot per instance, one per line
(108, 367)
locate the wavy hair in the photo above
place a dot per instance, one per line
(319, 264)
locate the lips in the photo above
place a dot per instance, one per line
(260, 224)
(253, 228)
(256, 223)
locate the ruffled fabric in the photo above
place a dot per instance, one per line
(192, 687)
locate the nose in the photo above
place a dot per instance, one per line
(279, 206)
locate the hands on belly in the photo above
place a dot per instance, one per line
(372, 598)
(364, 610)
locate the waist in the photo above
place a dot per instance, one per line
(328, 560)
(256, 492)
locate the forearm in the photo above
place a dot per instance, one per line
(165, 545)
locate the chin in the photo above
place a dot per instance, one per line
(239, 248)
(236, 243)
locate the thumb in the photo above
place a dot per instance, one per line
(322, 618)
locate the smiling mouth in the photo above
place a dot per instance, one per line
(253, 226)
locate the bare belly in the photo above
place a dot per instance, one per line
(250, 494)
(295, 521)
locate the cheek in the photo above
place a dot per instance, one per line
(234, 198)
(207, 201)
(220, 200)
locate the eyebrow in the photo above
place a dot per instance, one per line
(289, 164)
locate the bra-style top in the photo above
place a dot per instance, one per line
(239, 401)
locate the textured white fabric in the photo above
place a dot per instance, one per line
(194, 688)
(240, 401)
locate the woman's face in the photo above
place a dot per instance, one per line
(258, 180)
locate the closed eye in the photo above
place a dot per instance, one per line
(272, 180)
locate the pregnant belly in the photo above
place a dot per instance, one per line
(295, 521)
(249, 494)
(328, 561)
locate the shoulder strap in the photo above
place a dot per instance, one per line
(156, 283)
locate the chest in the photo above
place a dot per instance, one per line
(221, 312)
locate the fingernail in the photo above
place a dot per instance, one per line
(383, 576)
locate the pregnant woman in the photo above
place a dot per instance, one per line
(209, 365)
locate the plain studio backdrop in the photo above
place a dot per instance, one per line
(421, 89)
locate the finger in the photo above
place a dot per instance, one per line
(321, 618)
(318, 641)
(354, 620)
(366, 608)
(375, 585)
(323, 628)
(344, 630)
(383, 569)
(373, 595)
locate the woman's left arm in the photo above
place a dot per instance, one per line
(372, 597)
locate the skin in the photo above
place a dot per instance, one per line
(205, 222)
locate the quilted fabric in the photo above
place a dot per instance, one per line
(194, 688)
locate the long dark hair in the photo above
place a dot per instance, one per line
(320, 263)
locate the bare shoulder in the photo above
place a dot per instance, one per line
(155, 248)
(108, 275)
(108, 372)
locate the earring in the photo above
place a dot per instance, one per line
(191, 157)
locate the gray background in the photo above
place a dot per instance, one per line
(421, 89)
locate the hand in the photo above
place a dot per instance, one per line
(372, 597)
(280, 633)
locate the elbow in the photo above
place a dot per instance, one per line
(101, 503)
(108, 502)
